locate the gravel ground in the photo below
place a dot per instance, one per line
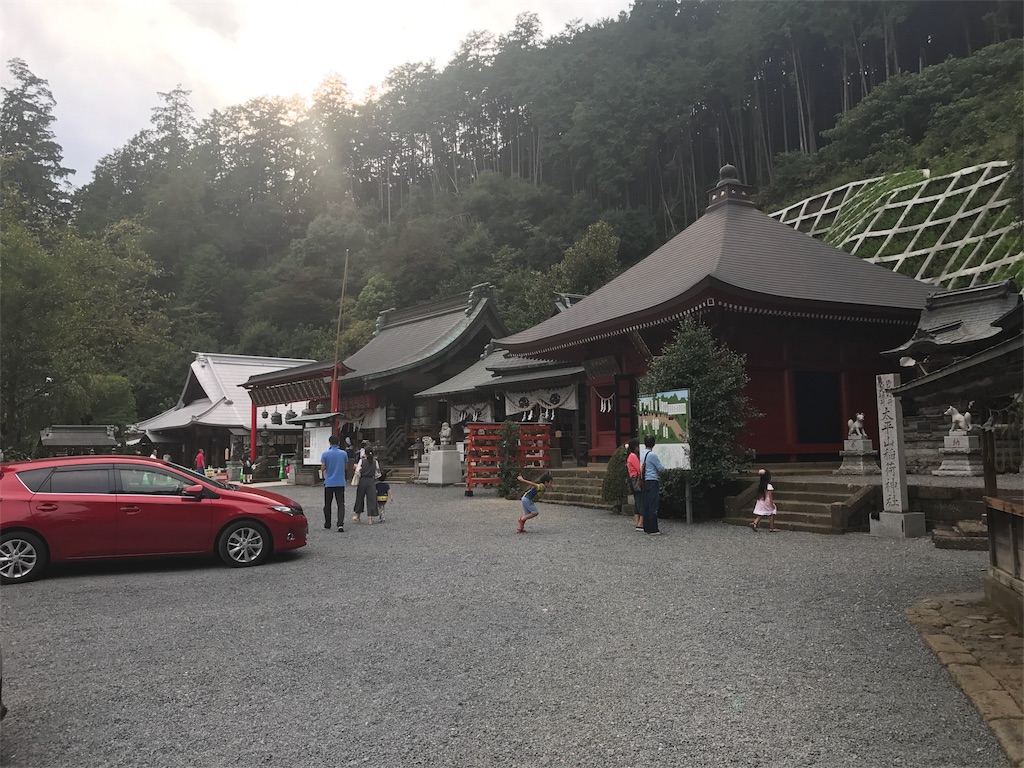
(441, 638)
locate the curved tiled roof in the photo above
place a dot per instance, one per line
(739, 248)
(497, 370)
(416, 337)
(223, 402)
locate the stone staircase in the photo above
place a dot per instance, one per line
(578, 486)
(400, 474)
(809, 505)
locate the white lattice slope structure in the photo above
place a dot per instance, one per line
(953, 231)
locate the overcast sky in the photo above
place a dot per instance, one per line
(106, 60)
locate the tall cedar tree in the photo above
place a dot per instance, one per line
(715, 376)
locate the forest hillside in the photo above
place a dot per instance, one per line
(536, 163)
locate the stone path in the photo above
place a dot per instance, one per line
(983, 653)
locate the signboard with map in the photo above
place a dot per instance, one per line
(666, 415)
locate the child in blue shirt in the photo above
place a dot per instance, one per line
(534, 493)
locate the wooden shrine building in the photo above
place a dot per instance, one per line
(498, 387)
(411, 350)
(811, 320)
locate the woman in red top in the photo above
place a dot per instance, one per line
(633, 470)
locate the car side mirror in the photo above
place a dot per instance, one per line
(196, 491)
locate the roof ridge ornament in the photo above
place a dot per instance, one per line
(477, 293)
(729, 189)
(382, 319)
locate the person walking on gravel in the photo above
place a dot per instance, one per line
(636, 486)
(332, 465)
(765, 505)
(534, 493)
(651, 468)
(365, 478)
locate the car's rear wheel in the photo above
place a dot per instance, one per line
(23, 557)
(244, 543)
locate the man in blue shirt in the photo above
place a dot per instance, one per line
(332, 466)
(652, 467)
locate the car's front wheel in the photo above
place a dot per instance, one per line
(244, 543)
(23, 557)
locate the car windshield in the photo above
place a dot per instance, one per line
(204, 478)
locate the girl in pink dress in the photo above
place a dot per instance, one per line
(765, 506)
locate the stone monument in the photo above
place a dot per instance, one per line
(859, 456)
(961, 451)
(445, 468)
(234, 462)
(895, 520)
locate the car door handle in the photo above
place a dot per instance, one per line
(47, 507)
(131, 510)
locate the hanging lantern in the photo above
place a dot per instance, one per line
(266, 413)
(290, 415)
(275, 418)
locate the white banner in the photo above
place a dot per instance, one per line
(548, 399)
(375, 418)
(458, 414)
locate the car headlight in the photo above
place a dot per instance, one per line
(286, 510)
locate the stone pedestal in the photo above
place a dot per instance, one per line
(858, 458)
(445, 467)
(898, 525)
(234, 469)
(961, 456)
(306, 474)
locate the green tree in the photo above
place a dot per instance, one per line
(615, 487)
(68, 310)
(590, 262)
(525, 297)
(715, 376)
(30, 157)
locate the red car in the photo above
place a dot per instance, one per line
(92, 507)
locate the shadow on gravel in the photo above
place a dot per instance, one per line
(153, 565)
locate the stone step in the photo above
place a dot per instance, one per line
(574, 498)
(945, 537)
(786, 525)
(838, 490)
(581, 473)
(816, 497)
(560, 487)
(811, 517)
(588, 502)
(973, 528)
(796, 468)
(794, 506)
